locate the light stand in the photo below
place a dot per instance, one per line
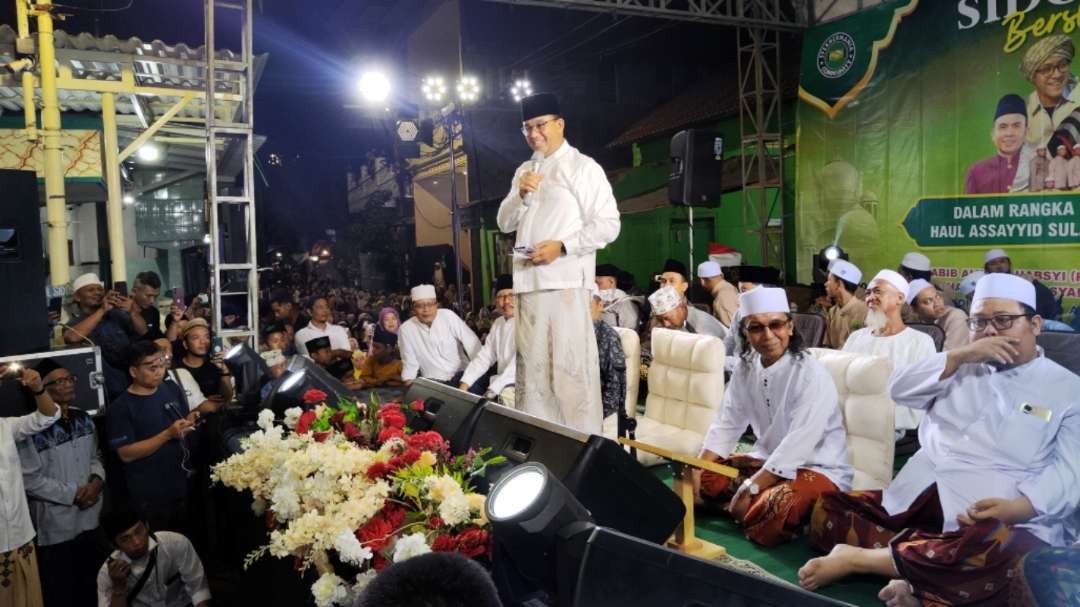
(455, 214)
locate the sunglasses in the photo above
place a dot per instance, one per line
(774, 326)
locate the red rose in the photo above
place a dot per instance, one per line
(394, 514)
(375, 534)
(320, 437)
(304, 424)
(337, 418)
(389, 433)
(427, 441)
(378, 470)
(435, 523)
(417, 405)
(392, 417)
(405, 459)
(351, 431)
(313, 396)
(474, 542)
(444, 543)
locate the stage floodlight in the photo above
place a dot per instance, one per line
(433, 88)
(129, 199)
(521, 89)
(832, 252)
(149, 152)
(250, 372)
(374, 86)
(468, 89)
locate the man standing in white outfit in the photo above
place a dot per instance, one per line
(435, 343)
(499, 350)
(563, 210)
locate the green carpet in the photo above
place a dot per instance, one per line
(782, 561)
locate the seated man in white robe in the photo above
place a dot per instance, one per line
(886, 335)
(620, 309)
(499, 349)
(790, 401)
(998, 474)
(435, 343)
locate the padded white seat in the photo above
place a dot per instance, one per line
(862, 383)
(686, 387)
(631, 346)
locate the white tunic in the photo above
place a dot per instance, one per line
(499, 349)
(176, 558)
(977, 442)
(905, 348)
(339, 337)
(794, 411)
(15, 526)
(439, 351)
(574, 204)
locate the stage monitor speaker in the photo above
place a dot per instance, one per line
(618, 491)
(451, 412)
(696, 168)
(607, 568)
(24, 318)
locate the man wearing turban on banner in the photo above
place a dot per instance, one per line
(1046, 65)
(1008, 169)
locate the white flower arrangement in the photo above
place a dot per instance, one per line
(292, 416)
(330, 590)
(409, 546)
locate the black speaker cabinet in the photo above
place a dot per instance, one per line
(696, 168)
(24, 320)
(451, 412)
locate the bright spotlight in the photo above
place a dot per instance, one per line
(522, 88)
(206, 239)
(374, 86)
(468, 89)
(433, 88)
(149, 153)
(832, 252)
(129, 199)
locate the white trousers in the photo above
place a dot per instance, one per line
(558, 368)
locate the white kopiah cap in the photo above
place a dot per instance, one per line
(994, 254)
(893, 278)
(845, 270)
(967, 285)
(1005, 286)
(664, 300)
(708, 269)
(916, 261)
(421, 292)
(763, 301)
(917, 286)
(86, 280)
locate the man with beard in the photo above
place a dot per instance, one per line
(108, 319)
(926, 302)
(886, 335)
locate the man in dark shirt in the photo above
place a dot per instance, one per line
(105, 318)
(320, 351)
(145, 291)
(146, 427)
(207, 368)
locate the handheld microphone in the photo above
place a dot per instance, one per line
(537, 161)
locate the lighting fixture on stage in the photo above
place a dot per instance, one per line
(468, 89)
(522, 88)
(314, 258)
(250, 372)
(303, 374)
(832, 252)
(129, 199)
(206, 239)
(407, 130)
(433, 88)
(149, 152)
(374, 86)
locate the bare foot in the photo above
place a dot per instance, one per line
(897, 593)
(827, 569)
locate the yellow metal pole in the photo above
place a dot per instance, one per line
(114, 210)
(55, 203)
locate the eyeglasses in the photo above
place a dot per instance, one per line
(70, 380)
(539, 126)
(774, 326)
(1001, 322)
(1046, 70)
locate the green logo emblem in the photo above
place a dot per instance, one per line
(836, 55)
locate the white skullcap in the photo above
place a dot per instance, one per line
(708, 269)
(422, 292)
(994, 254)
(1005, 286)
(86, 280)
(916, 261)
(893, 278)
(967, 285)
(763, 301)
(917, 286)
(665, 300)
(846, 270)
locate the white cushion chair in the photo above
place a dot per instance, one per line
(631, 346)
(862, 383)
(686, 387)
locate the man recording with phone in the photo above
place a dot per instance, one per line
(110, 320)
(206, 366)
(147, 426)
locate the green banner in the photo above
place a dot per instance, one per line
(919, 129)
